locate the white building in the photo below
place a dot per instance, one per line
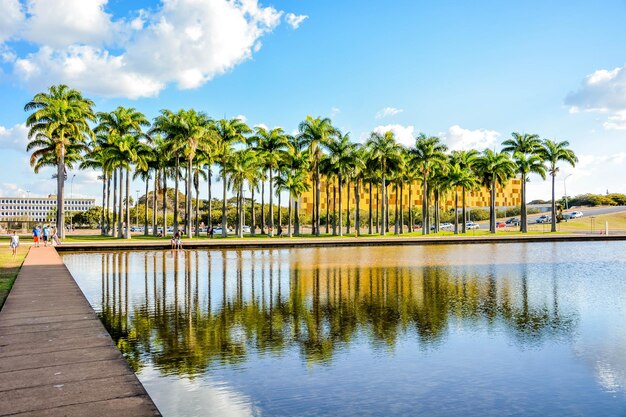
(39, 209)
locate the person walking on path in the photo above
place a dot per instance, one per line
(55, 237)
(36, 233)
(46, 235)
(15, 242)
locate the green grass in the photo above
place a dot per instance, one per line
(9, 268)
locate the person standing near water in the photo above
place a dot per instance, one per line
(15, 242)
(36, 236)
(46, 235)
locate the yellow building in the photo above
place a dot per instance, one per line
(506, 196)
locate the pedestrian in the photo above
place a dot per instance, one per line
(46, 235)
(279, 229)
(55, 237)
(211, 231)
(36, 236)
(173, 241)
(15, 242)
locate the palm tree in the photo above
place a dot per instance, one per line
(228, 132)
(428, 152)
(554, 152)
(494, 168)
(316, 132)
(465, 160)
(298, 163)
(386, 152)
(523, 148)
(95, 160)
(459, 177)
(61, 117)
(341, 157)
(272, 146)
(240, 168)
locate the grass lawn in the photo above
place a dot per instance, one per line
(617, 222)
(9, 267)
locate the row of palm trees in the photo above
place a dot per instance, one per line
(186, 145)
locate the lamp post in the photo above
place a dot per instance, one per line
(71, 197)
(565, 190)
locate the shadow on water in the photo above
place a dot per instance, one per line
(190, 310)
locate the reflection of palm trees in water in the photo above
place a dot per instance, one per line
(324, 309)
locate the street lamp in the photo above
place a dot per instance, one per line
(565, 190)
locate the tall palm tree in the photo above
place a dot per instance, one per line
(428, 152)
(227, 133)
(298, 164)
(316, 132)
(465, 160)
(459, 177)
(494, 168)
(60, 116)
(94, 159)
(341, 156)
(240, 168)
(386, 152)
(272, 146)
(553, 152)
(523, 147)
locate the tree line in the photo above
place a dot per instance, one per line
(186, 146)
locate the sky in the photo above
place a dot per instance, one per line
(468, 72)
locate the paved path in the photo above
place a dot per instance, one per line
(56, 358)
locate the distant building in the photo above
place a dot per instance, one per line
(39, 209)
(506, 196)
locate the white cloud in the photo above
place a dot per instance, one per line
(602, 91)
(12, 190)
(185, 42)
(294, 20)
(388, 111)
(242, 118)
(404, 134)
(11, 18)
(458, 138)
(15, 137)
(334, 111)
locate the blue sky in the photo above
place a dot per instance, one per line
(470, 72)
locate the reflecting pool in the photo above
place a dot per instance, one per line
(474, 330)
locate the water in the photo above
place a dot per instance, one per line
(471, 330)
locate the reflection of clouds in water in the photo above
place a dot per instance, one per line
(607, 357)
(199, 397)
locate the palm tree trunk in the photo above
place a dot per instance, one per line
(114, 214)
(401, 207)
(425, 225)
(60, 193)
(237, 213)
(335, 208)
(387, 208)
(357, 213)
(242, 211)
(377, 210)
(210, 194)
(553, 204)
(127, 223)
(297, 216)
(197, 210)
(371, 222)
(524, 225)
(289, 214)
(108, 210)
(224, 220)
(492, 207)
(348, 207)
(395, 215)
(188, 197)
(340, 179)
(280, 213)
(252, 218)
(262, 207)
(410, 208)
(327, 204)
(384, 190)
(177, 167)
(145, 208)
(456, 211)
(271, 223)
(104, 186)
(317, 199)
(154, 203)
(436, 214)
(164, 202)
(120, 214)
(464, 224)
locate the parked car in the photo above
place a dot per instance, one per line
(446, 226)
(544, 219)
(217, 231)
(500, 225)
(472, 225)
(246, 229)
(513, 221)
(575, 214)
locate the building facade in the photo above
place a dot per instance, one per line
(506, 196)
(39, 209)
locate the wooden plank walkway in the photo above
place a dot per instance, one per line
(56, 357)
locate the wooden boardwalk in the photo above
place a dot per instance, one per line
(56, 357)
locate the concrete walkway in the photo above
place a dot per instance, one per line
(56, 358)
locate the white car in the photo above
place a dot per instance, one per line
(576, 214)
(472, 225)
(246, 229)
(544, 219)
